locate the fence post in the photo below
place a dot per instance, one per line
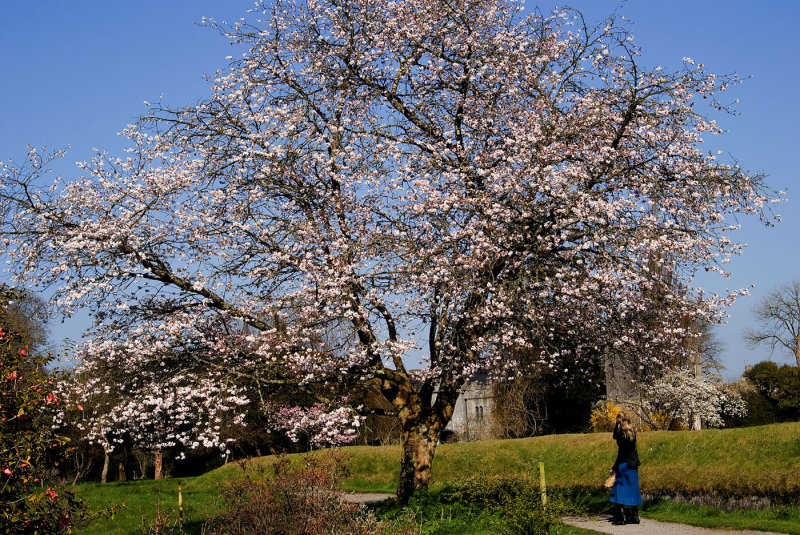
(542, 483)
(180, 507)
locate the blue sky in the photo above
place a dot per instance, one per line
(75, 73)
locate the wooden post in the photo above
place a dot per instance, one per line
(180, 506)
(542, 484)
(158, 463)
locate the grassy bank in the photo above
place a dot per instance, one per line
(761, 461)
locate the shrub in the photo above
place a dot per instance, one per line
(661, 421)
(780, 385)
(524, 513)
(295, 501)
(30, 502)
(518, 501)
(435, 513)
(604, 416)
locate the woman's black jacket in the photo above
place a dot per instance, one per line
(627, 450)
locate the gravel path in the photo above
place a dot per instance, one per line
(367, 498)
(651, 527)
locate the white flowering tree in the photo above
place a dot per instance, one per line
(373, 180)
(128, 395)
(682, 395)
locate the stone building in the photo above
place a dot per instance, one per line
(472, 414)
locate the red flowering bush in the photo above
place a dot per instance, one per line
(29, 449)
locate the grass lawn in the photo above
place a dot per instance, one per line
(778, 519)
(735, 462)
(143, 498)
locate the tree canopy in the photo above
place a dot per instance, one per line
(374, 180)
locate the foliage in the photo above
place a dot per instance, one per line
(604, 417)
(660, 420)
(524, 513)
(30, 501)
(779, 387)
(439, 513)
(760, 409)
(26, 316)
(165, 522)
(530, 401)
(517, 406)
(517, 499)
(510, 504)
(294, 501)
(374, 176)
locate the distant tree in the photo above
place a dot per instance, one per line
(780, 385)
(778, 319)
(518, 406)
(451, 173)
(144, 401)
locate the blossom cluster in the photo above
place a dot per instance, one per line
(318, 426)
(129, 398)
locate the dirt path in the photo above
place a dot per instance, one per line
(651, 527)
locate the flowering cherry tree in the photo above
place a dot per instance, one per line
(375, 180)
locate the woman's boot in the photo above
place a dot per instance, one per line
(619, 516)
(634, 518)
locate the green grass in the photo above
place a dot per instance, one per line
(142, 498)
(733, 462)
(777, 519)
(780, 519)
(739, 462)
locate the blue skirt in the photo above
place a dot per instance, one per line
(626, 489)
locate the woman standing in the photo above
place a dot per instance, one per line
(625, 491)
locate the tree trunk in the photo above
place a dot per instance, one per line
(106, 460)
(158, 464)
(424, 413)
(121, 476)
(418, 443)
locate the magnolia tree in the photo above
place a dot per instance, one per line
(682, 395)
(373, 181)
(135, 394)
